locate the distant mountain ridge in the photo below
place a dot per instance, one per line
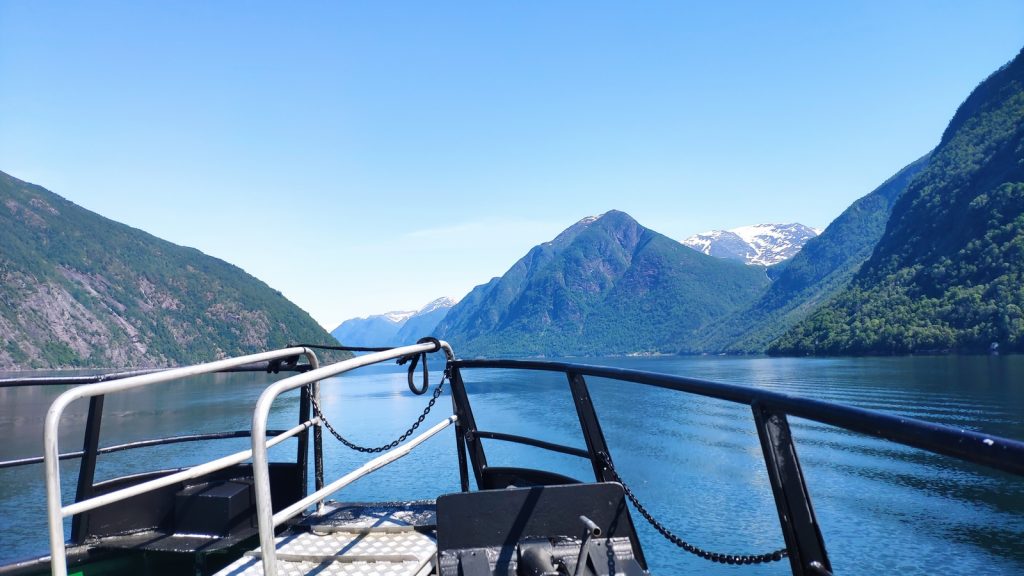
(605, 285)
(393, 328)
(80, 290)
(760, 244)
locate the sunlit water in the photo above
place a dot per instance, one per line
(695, 463)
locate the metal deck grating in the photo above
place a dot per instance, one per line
(365, 518)
(342, 547)
(354, 539)
(249, 566)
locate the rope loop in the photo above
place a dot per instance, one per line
(414, 359)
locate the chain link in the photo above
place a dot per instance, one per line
(712, 556)
(394, 443)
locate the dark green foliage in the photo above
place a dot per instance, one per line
(81, 290)
(604, 286)
(821, 269)
(947, 274)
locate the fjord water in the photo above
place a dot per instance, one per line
(694, 463)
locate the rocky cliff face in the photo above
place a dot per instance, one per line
(79, 290)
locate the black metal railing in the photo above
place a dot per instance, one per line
(805, 546)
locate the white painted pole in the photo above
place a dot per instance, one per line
(51, 462)
(260, 465)
(170, 479)
(377, 463)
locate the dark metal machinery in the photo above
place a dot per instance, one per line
(575, 529)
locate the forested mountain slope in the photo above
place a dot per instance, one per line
(818, 272)
(947, 273)
(606, 285)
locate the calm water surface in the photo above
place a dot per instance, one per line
(695, 463)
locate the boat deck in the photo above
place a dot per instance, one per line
(379, 539)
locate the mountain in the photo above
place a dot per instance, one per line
(948, 272)
(79, 290)
(376, 330)
(819, 271)
(393, 328)
(764, 244)
(605, 285)
(424, 321)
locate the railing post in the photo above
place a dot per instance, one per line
(302, 450)
(87, 468)
(804, 542)
(318, 451)
(460, 443)
(591, 426)
(465, 427)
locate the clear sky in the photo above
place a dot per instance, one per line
(371, 156)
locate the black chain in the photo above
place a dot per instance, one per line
(712, 556)
(386, 447)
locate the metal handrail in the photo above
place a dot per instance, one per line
(265, 516)
(804, 542)
(137, 444)
(26, 381)
(532, 442)
(56, 512)
(976, 447)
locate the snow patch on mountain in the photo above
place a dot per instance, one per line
(758, 244)
(399, 317)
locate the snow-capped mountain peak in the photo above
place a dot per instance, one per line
(443, 302)
(394, 328)
(760, 244)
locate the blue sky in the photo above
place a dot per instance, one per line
(370, 156)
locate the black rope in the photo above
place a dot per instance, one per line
(712, 556)
(413, 359)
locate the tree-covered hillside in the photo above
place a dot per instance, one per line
(79, 290)
(606, 285)
(947, 273)
(818, 272)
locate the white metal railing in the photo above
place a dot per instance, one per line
(56, 512)
(268, 521)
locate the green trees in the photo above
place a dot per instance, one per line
(603, 286)
(947, 273)
(823, 267)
